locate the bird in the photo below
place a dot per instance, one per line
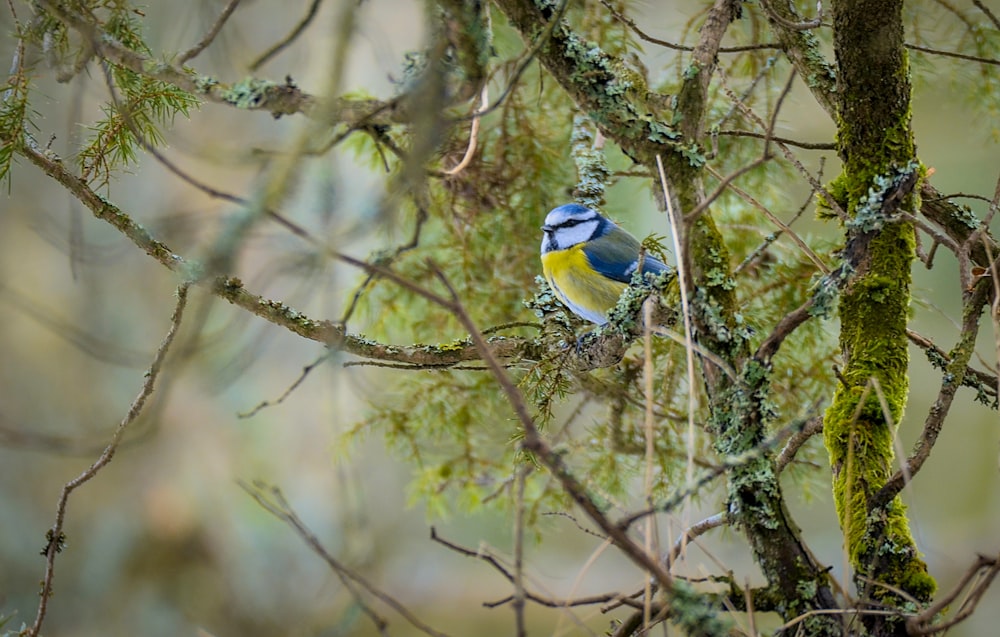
(588, 260)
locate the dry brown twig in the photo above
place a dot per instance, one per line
(210, 35)
(279, 46)
(786, 151)
(55, 537)
(976, 295)
(549, 602)
(984, 570)
(272, 500)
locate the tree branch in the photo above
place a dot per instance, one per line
(273, 501)
(985, 570)
(55, 536)
(207, 39)
(958, 365)
(281, 44)
(232, 289)
(803, 50)
(250, 94)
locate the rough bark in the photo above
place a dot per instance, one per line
(879, 181)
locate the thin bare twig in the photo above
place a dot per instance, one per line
(207, 39)
(288, 39)
(694, 531)
(755, 256)
(852, 612)
(519, 592)
(789, 155)
(724, 183)
(649, 432)
(773, 121)
(55, 537)
(989, 14)
(704, 353)
(985, 569)
(630, 23)
(781, 140)
(678, 235)
(799, 241)
(795, 442)
(274, 502)
(470, 150)
(952, 54)
(548, 602)
(264, 404)
(973, 303)
(788, 324)
(765, 157)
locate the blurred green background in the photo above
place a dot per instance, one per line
(165, 542)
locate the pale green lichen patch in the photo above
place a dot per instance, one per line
(248, 93)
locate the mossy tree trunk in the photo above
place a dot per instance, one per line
(877, 186)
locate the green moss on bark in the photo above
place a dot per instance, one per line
(880, 173)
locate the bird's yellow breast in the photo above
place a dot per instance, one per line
(581, 288)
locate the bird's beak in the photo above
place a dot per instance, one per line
(547, 229)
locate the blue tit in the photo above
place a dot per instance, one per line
(588, 260)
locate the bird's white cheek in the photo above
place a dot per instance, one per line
(564, 238)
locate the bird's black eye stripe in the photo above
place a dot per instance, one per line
(569, 223)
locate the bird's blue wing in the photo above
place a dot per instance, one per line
(615, 256)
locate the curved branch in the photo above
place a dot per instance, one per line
(232, 289)
(541, 600)
(209, 36)
(983, 571)
(596, 82)
(954, 376)
(957, 222)
(281, 44)
(803, 50)
(55, 536)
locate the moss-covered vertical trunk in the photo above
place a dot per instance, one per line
(880, 171)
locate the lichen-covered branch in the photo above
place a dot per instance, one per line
(802, 48)
(613, 96)
(277, 98)
(740, 411)
(958, 223)
(232, 289)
